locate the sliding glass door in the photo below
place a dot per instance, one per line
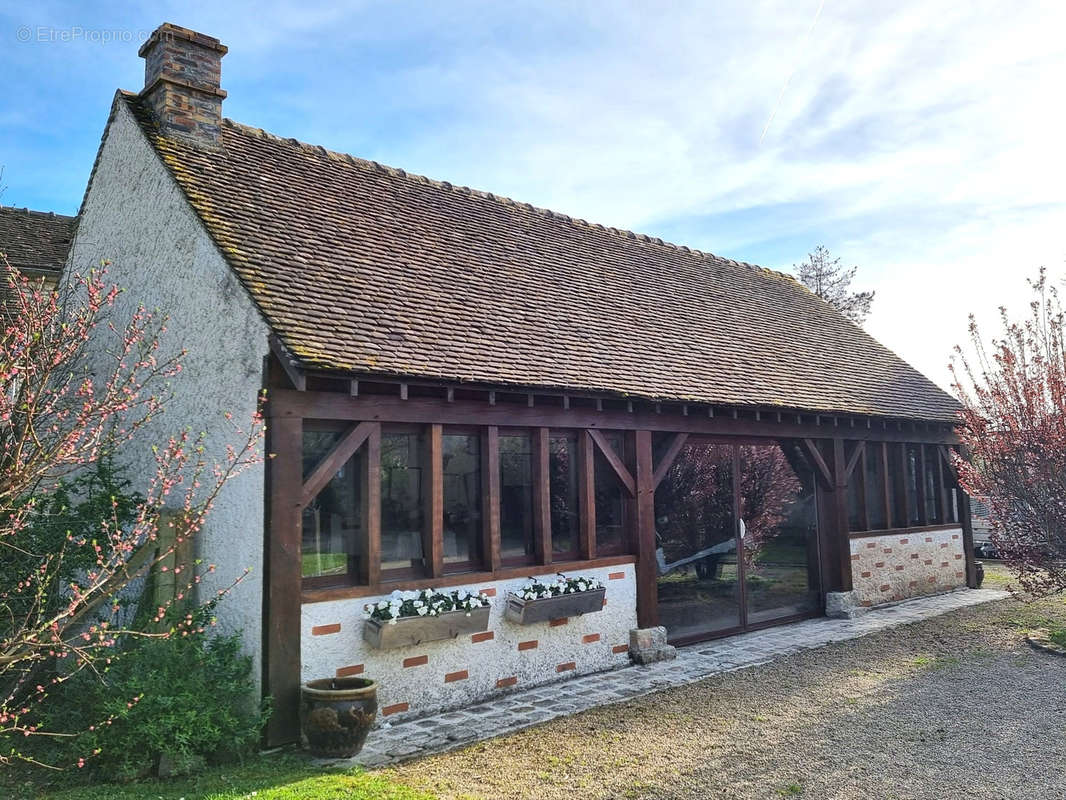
(736, 538)
(696, 547)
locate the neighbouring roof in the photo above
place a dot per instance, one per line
(361, 268)
(36, 241)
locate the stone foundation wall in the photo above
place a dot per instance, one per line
(899, 565)
(443, 675)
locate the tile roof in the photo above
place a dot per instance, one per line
(361, 268)
(35, 240)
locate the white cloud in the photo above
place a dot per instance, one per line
(919, 139)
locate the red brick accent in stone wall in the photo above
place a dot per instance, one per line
(325, 630)
(530, 645)
(395, 708)
(893, 567)
(416, 661)
(589, 638)
(347, 672)
(566, 666)
(452, 677)
(484, 636)
(503, 683)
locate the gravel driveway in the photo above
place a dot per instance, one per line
(953, 707)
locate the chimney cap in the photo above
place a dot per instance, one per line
(169, 30)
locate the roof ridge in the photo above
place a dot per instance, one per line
(336, 155)
(30, 211)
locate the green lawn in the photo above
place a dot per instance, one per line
(324, 563)
(270, 777)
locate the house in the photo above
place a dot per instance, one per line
(466, 390)
(36, 243)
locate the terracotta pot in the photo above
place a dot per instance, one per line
(336, 715)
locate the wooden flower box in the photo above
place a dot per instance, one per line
(414, 630)
(528, 612)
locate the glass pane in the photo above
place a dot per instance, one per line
(913, 512)
(897, 485)
(316, 445)
(516, 495)
(933, 489)
(610, 500)
(401, 500)
(855, 519)
(780, 540)
(461, 456)
(332, 524)
(875, 486)
(695, 531)
(562, 480)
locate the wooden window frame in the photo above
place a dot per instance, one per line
(351, 576)
(930, 457)
(498, 559)
(481, 545)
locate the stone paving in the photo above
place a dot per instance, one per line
(391, 744)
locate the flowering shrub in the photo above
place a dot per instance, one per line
(76, 386)
(423, 603)
(1013, 394)
(536, 590)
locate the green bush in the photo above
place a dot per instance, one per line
(76, 507)
(194, 707)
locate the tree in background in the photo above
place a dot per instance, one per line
(75, 388)
(825, 276)
(1013, 393)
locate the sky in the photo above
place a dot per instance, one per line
(922, 141)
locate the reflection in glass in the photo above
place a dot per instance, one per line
(461, 467)
(912, 478)
(516, 495)
(695, 529)
(562, 482)
(610, 500)
(332, 524)
(402, 514)
(778, 507)
(933, 489)
(875, 486)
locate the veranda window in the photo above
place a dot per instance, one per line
(333, 547)
(402, 502)
(461, 469)
(896, 485)
(554, 496)
(516, 498)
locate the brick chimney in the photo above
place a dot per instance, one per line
(182, 78)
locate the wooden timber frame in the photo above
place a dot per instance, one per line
(368, 403)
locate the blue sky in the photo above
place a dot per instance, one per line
(919, 140)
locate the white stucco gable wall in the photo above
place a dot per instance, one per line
(135, 215)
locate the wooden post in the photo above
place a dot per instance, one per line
(490, 470)
(434, 506)
(542, 512)
(647, 572)
(372, 514)
(919, 482)
(283, 574)
(586, 487)
(840, 505)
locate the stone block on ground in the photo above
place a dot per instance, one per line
(648, 646)
(843, 605)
